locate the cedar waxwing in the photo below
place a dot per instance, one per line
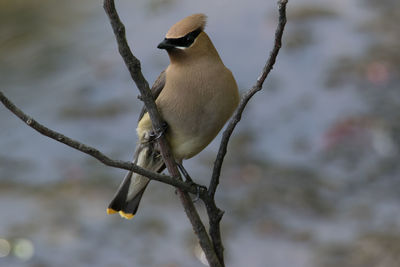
(195, 95)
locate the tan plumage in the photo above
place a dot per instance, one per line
(186, 25)
(195, 96)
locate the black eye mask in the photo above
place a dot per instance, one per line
(184, 41)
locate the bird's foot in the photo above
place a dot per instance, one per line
(184, 172)
(154, 135)
(199, 191)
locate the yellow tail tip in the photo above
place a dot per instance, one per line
(111, 211)
(126, 215)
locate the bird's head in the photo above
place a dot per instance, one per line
(184, 34)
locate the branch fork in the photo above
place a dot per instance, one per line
(211, 241)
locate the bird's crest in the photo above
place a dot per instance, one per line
(187, 25)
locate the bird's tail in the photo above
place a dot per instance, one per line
(126, 200)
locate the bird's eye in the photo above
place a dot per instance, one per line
(189, 38)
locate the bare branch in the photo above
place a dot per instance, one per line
(213, 248)
(214, 218)
(93, 151)
(134, 68)
(214, 213)
(246, 97)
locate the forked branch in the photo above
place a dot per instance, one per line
(214, 213)
(133, 65)
(213, 248)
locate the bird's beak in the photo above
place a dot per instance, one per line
(165, 44)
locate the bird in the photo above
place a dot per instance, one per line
(196, 94)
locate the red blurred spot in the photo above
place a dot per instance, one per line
(377, 72)
(345, 130)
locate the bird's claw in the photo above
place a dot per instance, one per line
(200, 188)
(154, 135)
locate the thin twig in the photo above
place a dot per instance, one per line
(246, 97)
(190, 187)
(214, 213)
(134, 68)
(214, 250)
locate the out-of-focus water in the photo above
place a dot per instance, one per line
(312, 173)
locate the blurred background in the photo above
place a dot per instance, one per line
(312, 173)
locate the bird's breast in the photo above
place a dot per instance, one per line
(196, 102)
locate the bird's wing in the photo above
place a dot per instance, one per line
(155, 90)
